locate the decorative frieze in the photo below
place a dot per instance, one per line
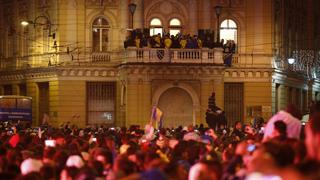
(167, 69)
(243, 73)
(38, 73)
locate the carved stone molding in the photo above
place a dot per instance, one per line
(38, 73)
(173, 70)
(248, 73)
(88, 72)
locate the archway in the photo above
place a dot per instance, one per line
(177, 107)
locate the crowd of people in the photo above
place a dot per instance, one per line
(178, 41)
(278, 149)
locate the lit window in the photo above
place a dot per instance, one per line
(155, 22)
(228, 30)
(100, 30)
(175, 22)
(174, 26)
(155, 27)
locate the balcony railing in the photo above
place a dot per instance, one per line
(101, 57)
(160, 55)
(138, 55)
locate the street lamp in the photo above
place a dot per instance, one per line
(36, 23)
(132, 9)
(218, 13)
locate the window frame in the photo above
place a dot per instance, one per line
(236, 28)
(101, 29)
(153, 28)
(175, 27)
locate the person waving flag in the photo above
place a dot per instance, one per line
(156, 115)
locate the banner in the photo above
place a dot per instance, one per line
(156, 114)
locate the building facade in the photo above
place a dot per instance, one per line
(70, 58)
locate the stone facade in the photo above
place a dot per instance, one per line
(54, 60)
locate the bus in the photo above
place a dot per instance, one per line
(15, 108)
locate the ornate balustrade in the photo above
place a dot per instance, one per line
(140, 55)
(101, 57)
(160, 55)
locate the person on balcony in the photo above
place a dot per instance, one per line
(183, 42)
(199, 42)
(175, 41)
(137, 42)
(157, 40)
(226, 47)
(151, 42)
(167, 42)
(144, 41)
(207, 42)
(232, 46)
(190, 43)
(128, 42)
(194, 42)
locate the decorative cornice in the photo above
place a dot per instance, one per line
(172, 69)
(38, 73)
(88, 72)
(249, 73)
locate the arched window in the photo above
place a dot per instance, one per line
(155, 27)
(228, 30)
(100, 29)
(174, 26)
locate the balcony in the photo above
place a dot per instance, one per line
(101, 57)
(161, 55)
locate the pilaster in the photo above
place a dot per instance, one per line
(138, 15)
(32, 90)
(218, 87)
(15, 89)
(193, 16)
(207, 88)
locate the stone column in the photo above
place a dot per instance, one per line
(132, 110)
(206, 91)
(218, 88)
(206, 15)
(138, 104)
(15, 89)
(205, 55)
(138, 15)
(121, 104)
(32, 90)
(193, 17)
(144, 93)
(218, 55)
(124, 19)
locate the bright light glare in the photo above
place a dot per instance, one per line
(291, 60)
(24, 23)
